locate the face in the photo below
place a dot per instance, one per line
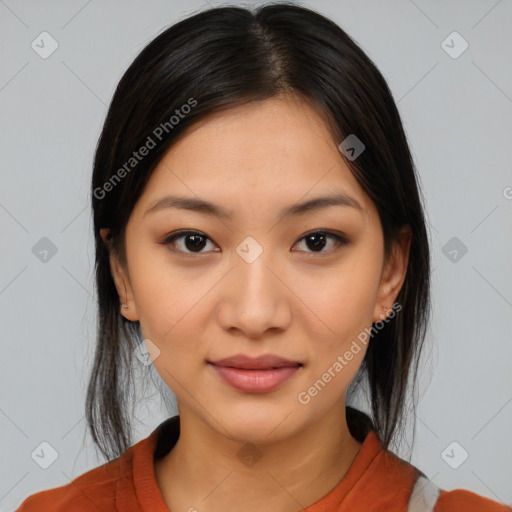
(256, 274)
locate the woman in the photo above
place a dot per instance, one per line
(260, 233)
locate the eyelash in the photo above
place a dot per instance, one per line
(339, 240)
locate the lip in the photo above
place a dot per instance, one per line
(255, 375)
(264, 362)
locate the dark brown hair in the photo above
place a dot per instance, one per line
(222, 58)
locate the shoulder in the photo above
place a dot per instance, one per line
(461, 499)
(427, 497)
(94, 490)
(120, 484)
(396, 481)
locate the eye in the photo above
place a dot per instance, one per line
(193, 241)
(190, 242)
(317, 240)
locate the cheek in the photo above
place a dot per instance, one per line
(167, 297)
(341, 299)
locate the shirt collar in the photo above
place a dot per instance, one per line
(138, 485)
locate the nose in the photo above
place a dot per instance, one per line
(254, 299)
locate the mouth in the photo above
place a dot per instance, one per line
(265, 362)
(255, 375)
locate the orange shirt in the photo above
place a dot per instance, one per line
(377, 481)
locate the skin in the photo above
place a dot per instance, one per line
(292, 301)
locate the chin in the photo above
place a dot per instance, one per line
(261, 424)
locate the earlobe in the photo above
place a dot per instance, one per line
(122, 283)
(393, 275)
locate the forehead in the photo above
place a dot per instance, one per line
(274, 151)
(259, 134)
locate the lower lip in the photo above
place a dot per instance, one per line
(255, 381)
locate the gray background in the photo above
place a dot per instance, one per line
(458, 117)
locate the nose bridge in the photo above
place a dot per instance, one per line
(254, 297)
(254, 273)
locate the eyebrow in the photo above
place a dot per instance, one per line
(208, 208)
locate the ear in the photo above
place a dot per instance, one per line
(121, 280)
(393, 275)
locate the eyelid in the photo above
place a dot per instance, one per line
(169, 239)
(339, 238)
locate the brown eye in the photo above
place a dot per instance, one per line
(318, 240)
(187, 241)
(193, 242)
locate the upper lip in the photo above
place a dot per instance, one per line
(264, 362)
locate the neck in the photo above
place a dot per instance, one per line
(210, 472)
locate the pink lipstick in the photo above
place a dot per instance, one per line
(255, 375)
